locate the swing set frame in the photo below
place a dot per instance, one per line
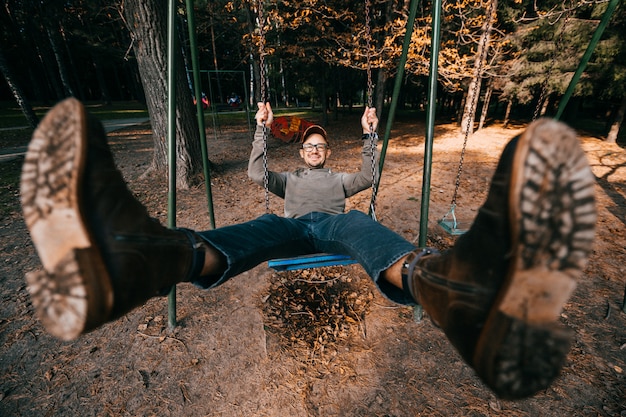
(430, 113)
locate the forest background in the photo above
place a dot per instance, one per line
(516, 56)
(235, 351)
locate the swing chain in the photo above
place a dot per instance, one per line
(368, 36)
(261, 20)
(557, 47)
(470, 119)
(372, 136)
(262, 81)
(266, 179)
(372, 142)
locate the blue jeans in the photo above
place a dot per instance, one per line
(248, 244)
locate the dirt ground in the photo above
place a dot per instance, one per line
(314, 343)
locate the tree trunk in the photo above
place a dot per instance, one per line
(380, 91)
(483, 115)
(147, 23)
(72, 65)
(255, 62)
(56, 50)
(473, 92)
(48, 70)
(617, 122)
(283, 84)
(322, 95)
(17, 92)
(459, 110)
(507, 112)
(379, 42)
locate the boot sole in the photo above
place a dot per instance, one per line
(72, 294)
(522, 347)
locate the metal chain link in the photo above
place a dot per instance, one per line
(261, 20)
(370, 87)
(470, 120)
(372, 142)
(557, 45)
(263, 98)
(372, 136)
(368, 37)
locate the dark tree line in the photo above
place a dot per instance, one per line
(316, 54)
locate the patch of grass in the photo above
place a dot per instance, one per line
(11, 115)
(117, 110)
(10, 187)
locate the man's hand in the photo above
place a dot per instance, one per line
(369, 120)
(264, 114)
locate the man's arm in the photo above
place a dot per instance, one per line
(256, 168)
(354, 183)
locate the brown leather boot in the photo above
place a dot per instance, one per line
(102, 254)
(499, 292)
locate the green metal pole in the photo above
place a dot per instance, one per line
(193, 45)
(430, 122)
(397, 85)
(171, 140)
(587, 55)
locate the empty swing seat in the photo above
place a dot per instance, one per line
(454, 227)
(310, 261)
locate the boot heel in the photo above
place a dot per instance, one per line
(537, 295)
(522, 347)
(521, 359)
(74, 297)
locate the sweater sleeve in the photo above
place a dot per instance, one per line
(359, 181)
(256, 170)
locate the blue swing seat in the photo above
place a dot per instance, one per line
(310, 261)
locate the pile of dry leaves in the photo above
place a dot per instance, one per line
(313, 309)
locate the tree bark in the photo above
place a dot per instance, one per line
(485, 111)
(58, 56)
(17, 92)
(461, 108)
(381, 78)
(47, 67)
(507, 112)
(617, 122)
(147, 23)
(72, 64)
(473, 91)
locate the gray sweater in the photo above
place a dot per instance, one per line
(307, 190)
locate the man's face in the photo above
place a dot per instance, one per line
(312, 153)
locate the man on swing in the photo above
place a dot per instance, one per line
(497, 294)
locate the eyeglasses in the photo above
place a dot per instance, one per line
(308, 147)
